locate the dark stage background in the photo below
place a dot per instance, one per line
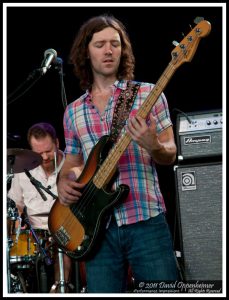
(196, 86)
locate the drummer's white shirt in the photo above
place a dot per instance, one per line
(24, 193)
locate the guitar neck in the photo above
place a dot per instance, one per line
(107, 167)
(156, 91)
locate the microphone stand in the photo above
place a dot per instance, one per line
(59, 67)
(10, 175)
(32, 78)
(47, 259)
(38, 185)
(42, 279)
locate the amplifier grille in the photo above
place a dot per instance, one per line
(199, 199)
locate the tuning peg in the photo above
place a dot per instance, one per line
(175, 43)
(198, 20)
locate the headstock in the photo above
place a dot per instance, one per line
(186, 49)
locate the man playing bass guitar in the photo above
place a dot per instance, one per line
(136, 234)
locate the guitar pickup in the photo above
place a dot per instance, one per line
(62, 236)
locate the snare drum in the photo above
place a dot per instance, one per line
(24, 247)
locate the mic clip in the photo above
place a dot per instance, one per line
(38, 185)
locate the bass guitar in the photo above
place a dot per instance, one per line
(76, 228)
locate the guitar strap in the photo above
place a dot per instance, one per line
(122, 109)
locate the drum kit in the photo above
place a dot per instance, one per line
(30, 252)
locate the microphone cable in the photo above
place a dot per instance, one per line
(31, 76)
(59, 66)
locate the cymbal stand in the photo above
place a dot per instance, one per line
(9, 240)
(9, 245)
(10, 175)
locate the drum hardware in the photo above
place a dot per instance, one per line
(17, 283)
(8, 265)
(10, 163)
(9, 177)
(18, 230)
(22, 282)
(12, 216)
(12, 211)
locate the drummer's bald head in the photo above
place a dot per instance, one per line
(41, 130)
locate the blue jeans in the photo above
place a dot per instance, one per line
(145, 246)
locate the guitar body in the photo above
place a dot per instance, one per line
(77, 228)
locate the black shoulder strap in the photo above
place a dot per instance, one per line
(122, 109)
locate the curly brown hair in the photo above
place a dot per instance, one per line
(79, 51)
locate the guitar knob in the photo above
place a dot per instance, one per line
(198, 20)
(86, 237)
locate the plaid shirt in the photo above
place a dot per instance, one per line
(84, 126)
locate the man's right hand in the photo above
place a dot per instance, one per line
(69, 191)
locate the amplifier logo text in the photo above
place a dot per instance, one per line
(197, 140)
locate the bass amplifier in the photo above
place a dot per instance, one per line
(199, 135)
(199, 210)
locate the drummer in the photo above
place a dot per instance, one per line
(43, 140)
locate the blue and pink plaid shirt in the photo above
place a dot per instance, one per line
(84, 126)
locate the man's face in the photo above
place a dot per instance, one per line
(46, 148)
(104, 51)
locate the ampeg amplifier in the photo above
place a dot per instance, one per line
(199, 201)
(199, 134)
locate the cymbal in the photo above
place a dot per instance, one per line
(20, 159)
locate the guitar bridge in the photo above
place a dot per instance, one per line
(62, 236)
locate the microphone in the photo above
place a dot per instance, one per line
(50, 56)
